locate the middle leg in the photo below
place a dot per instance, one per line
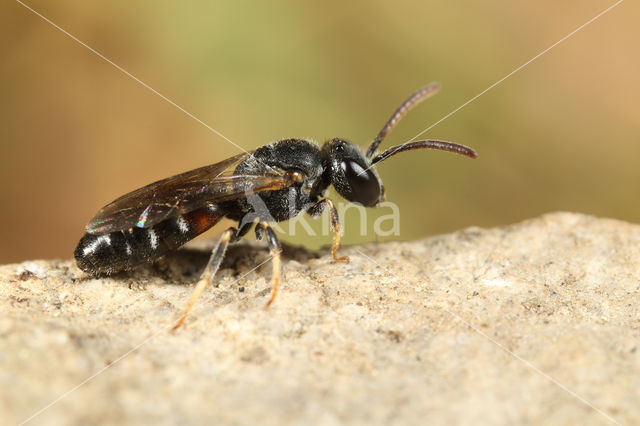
(263, 228)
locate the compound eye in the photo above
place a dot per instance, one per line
(363, 184)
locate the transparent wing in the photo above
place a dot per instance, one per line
(185, 192)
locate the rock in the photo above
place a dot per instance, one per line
(532, 323)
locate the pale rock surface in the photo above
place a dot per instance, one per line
(534, 323)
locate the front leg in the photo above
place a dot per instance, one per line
(316, 210)
(261, 229)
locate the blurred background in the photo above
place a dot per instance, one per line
(561, 134)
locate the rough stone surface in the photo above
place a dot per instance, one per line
(534, 323)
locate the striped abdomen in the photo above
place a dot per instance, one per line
(121, 250)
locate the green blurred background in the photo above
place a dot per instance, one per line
(562, 134)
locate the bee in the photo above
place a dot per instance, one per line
(273, 183)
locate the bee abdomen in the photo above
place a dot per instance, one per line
(107, 253)
(122, 250)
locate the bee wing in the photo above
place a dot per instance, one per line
(183, 193)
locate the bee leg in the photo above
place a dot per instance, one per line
(209, 271)
(242, 231)
(316, 210)
(261, 229)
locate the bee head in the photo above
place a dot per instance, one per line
(351, 172)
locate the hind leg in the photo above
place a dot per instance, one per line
(209, 272)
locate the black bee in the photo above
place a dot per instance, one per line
(274, 183)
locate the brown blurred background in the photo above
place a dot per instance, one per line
(562, 134)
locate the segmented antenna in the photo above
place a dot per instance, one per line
(413, 100)
(432, 144)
